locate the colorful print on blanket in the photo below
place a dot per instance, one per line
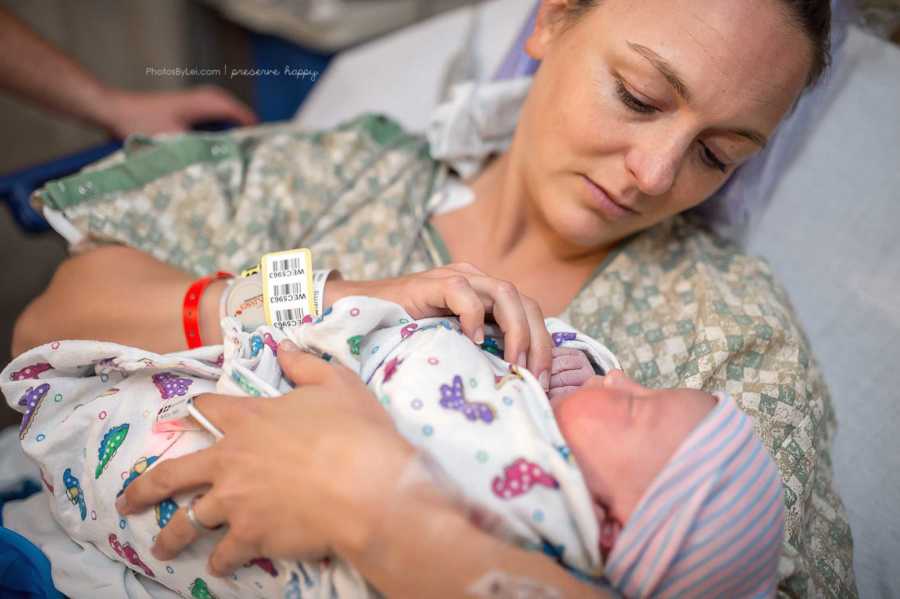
(96, 432)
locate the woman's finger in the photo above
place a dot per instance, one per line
(180, 532)
(465, 267)
(223, 411)
(230, 554)
(455, 294)
(540, 354)
(508, 311)
(166, 479)
(302, 368)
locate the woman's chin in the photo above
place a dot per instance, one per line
(583, 228)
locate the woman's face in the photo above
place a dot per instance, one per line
(642, 109)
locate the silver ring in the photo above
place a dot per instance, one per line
(192, 517)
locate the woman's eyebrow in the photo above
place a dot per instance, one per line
(663, 66)
(668, 71)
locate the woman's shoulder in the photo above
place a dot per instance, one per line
(378, 128)
(352, 144)
(684, 256)
(682, 307)
(685, 242)
(204, 201)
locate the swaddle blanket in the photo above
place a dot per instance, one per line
(95, 419)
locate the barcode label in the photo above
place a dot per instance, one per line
(287, 264)
(288, 315)
(288, 290)
(287, 287)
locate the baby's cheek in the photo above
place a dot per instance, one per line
(573, 414)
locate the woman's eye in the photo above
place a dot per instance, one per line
(710, 159)
(632, 102)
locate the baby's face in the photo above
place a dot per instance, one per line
(622, 435)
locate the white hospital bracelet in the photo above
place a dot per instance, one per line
(242, 299)
(320, 277)
(223, 299)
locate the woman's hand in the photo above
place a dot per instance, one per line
(289, 472)
(465, 291)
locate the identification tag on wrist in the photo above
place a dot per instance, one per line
(244, 301)
(174, 416)
(287, 286)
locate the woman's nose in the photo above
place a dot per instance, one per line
(655, 165)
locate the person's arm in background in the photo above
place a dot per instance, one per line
(34, 70)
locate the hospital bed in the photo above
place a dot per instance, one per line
(829, 231)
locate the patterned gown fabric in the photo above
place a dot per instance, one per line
(677, 306)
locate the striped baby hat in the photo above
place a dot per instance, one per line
(712, 522)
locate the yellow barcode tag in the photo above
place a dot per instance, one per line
(287, 286)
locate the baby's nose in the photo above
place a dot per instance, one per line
(618, 379)
(597, 381)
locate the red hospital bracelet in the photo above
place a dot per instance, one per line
(191, 308)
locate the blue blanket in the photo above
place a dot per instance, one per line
(24, 569)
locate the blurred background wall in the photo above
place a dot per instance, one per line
(115, 41)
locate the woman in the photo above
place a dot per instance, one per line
(638, 112)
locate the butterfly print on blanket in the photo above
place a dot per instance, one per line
(519, 478)
(560, 338)
(30, 372)
(31, 401)
(171, 385)
(128, 553)
(453, 398)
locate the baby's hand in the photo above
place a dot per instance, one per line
(570, 370)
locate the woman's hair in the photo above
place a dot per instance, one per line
(813, 17)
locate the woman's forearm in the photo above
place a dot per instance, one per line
(429, 548)
(118, 294)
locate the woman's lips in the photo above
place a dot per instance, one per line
(609, 207)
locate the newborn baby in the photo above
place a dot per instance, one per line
(663, 493)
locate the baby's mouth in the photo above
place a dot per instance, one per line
(609, 526)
